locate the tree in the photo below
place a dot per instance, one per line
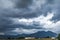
(8, 37)
(21, 38)
(48, 37)
(58, 37)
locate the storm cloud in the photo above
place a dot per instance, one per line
(28, 14)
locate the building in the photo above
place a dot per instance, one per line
(29, 37)
(53, 38)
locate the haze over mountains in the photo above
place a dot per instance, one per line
(42, 34)
(39, 34)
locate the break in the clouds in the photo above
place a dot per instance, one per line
(29, 16)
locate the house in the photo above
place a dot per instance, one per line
(29, 37)
(53, 38)
(46, 38)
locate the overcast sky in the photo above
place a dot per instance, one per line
(29, 16)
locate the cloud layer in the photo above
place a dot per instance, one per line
(18, 16)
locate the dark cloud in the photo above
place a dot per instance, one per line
(56, 9)
(22, 10)
(23, 3)
(50, 1)
(56, 17)
(6, 24)
(27, 13)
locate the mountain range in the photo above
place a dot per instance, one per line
(39, 34)
(42, 34)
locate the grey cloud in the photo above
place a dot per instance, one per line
(56, 17)
(4, 24)
(56, 9)
(27, 13)
(34, 25)
(22, 10)
(23, 3)
(50, 1)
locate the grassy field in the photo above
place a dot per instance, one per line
(29, 39)
(40, 39)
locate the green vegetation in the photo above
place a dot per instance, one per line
(21, 38)
(33, 39)
(58, 37)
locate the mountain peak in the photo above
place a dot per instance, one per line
(43, 34)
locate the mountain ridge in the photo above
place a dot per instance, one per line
(39, 34)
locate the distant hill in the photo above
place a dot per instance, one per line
(42, 34)
(39, 34)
